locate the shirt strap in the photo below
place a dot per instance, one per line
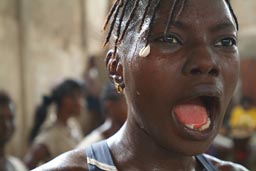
(206, 163)
(99, 157)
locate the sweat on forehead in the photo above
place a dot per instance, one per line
(126, 15)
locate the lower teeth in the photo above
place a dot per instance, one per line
(206, 126)
(202, 128)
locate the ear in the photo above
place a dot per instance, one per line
(115, 68)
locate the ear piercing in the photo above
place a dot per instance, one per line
(144, 52)
(119, 88)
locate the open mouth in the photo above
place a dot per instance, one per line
(197, 113)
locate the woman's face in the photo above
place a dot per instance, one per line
(74, 103)
(6, 123)
(195, 66)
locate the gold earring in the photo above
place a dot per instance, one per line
(119, 89)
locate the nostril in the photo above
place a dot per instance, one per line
(195, 71)
(214, 72)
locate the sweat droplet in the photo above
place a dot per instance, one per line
(138, 93)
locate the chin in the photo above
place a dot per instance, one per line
(188, 148)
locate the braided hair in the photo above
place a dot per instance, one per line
(64, 89)
(128, 8)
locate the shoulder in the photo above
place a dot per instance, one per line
(18, 165)
(93, 137)
(74, 160)
(225, 165)
(47, 133)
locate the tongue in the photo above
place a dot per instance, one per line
(192, 113)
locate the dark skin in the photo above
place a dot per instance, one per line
(198, 58)
(6, 131)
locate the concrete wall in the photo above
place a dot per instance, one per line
(41, 42)
(10, 66)
(246, 13)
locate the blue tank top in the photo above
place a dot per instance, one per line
(100, 159)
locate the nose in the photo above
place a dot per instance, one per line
(201, 62)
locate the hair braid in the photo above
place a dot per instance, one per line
(120, 27)
(145, 13)
(170, 16)
(181, 8)
(232, 12)
(129, 19)
(113, 22)
(152, 19)
(110, 14)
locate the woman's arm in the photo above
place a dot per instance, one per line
(74, 160)
(36, 154)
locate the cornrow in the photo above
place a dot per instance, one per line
(145, 13)
(170, 16)
(129, 19)
(232, 12)
(133, 5)
(113, 22)
(120, 26)
(152, 19)
(110, 14)
(181, 8)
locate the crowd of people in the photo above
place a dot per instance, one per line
(173, 73)
(62, 132)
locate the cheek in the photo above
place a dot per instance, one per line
(7, 128)
(231, 75)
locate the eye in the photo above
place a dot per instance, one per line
(170, 39)
(226, 42)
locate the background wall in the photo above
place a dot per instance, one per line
(41, 42)
(246, 13)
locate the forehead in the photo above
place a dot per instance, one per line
(199, 13)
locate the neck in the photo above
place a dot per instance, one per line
(143, 153)
(2, 152)
(3, 164)
(2, 159)
(62, 116)
(109, 127)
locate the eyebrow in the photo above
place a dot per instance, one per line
(179, 24)
(222, 26)
(219, 26)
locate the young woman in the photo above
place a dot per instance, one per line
(7, 129)
(61, 135)
(177, 63)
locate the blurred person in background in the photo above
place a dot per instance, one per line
(115, 109)
(242, 126)
(92, 84)
(61, 135)
(243, 116)
(7, 128)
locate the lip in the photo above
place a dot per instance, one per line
(213, 94)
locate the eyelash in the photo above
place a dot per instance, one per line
(226, 42)
(170, 39)
(173, 40)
